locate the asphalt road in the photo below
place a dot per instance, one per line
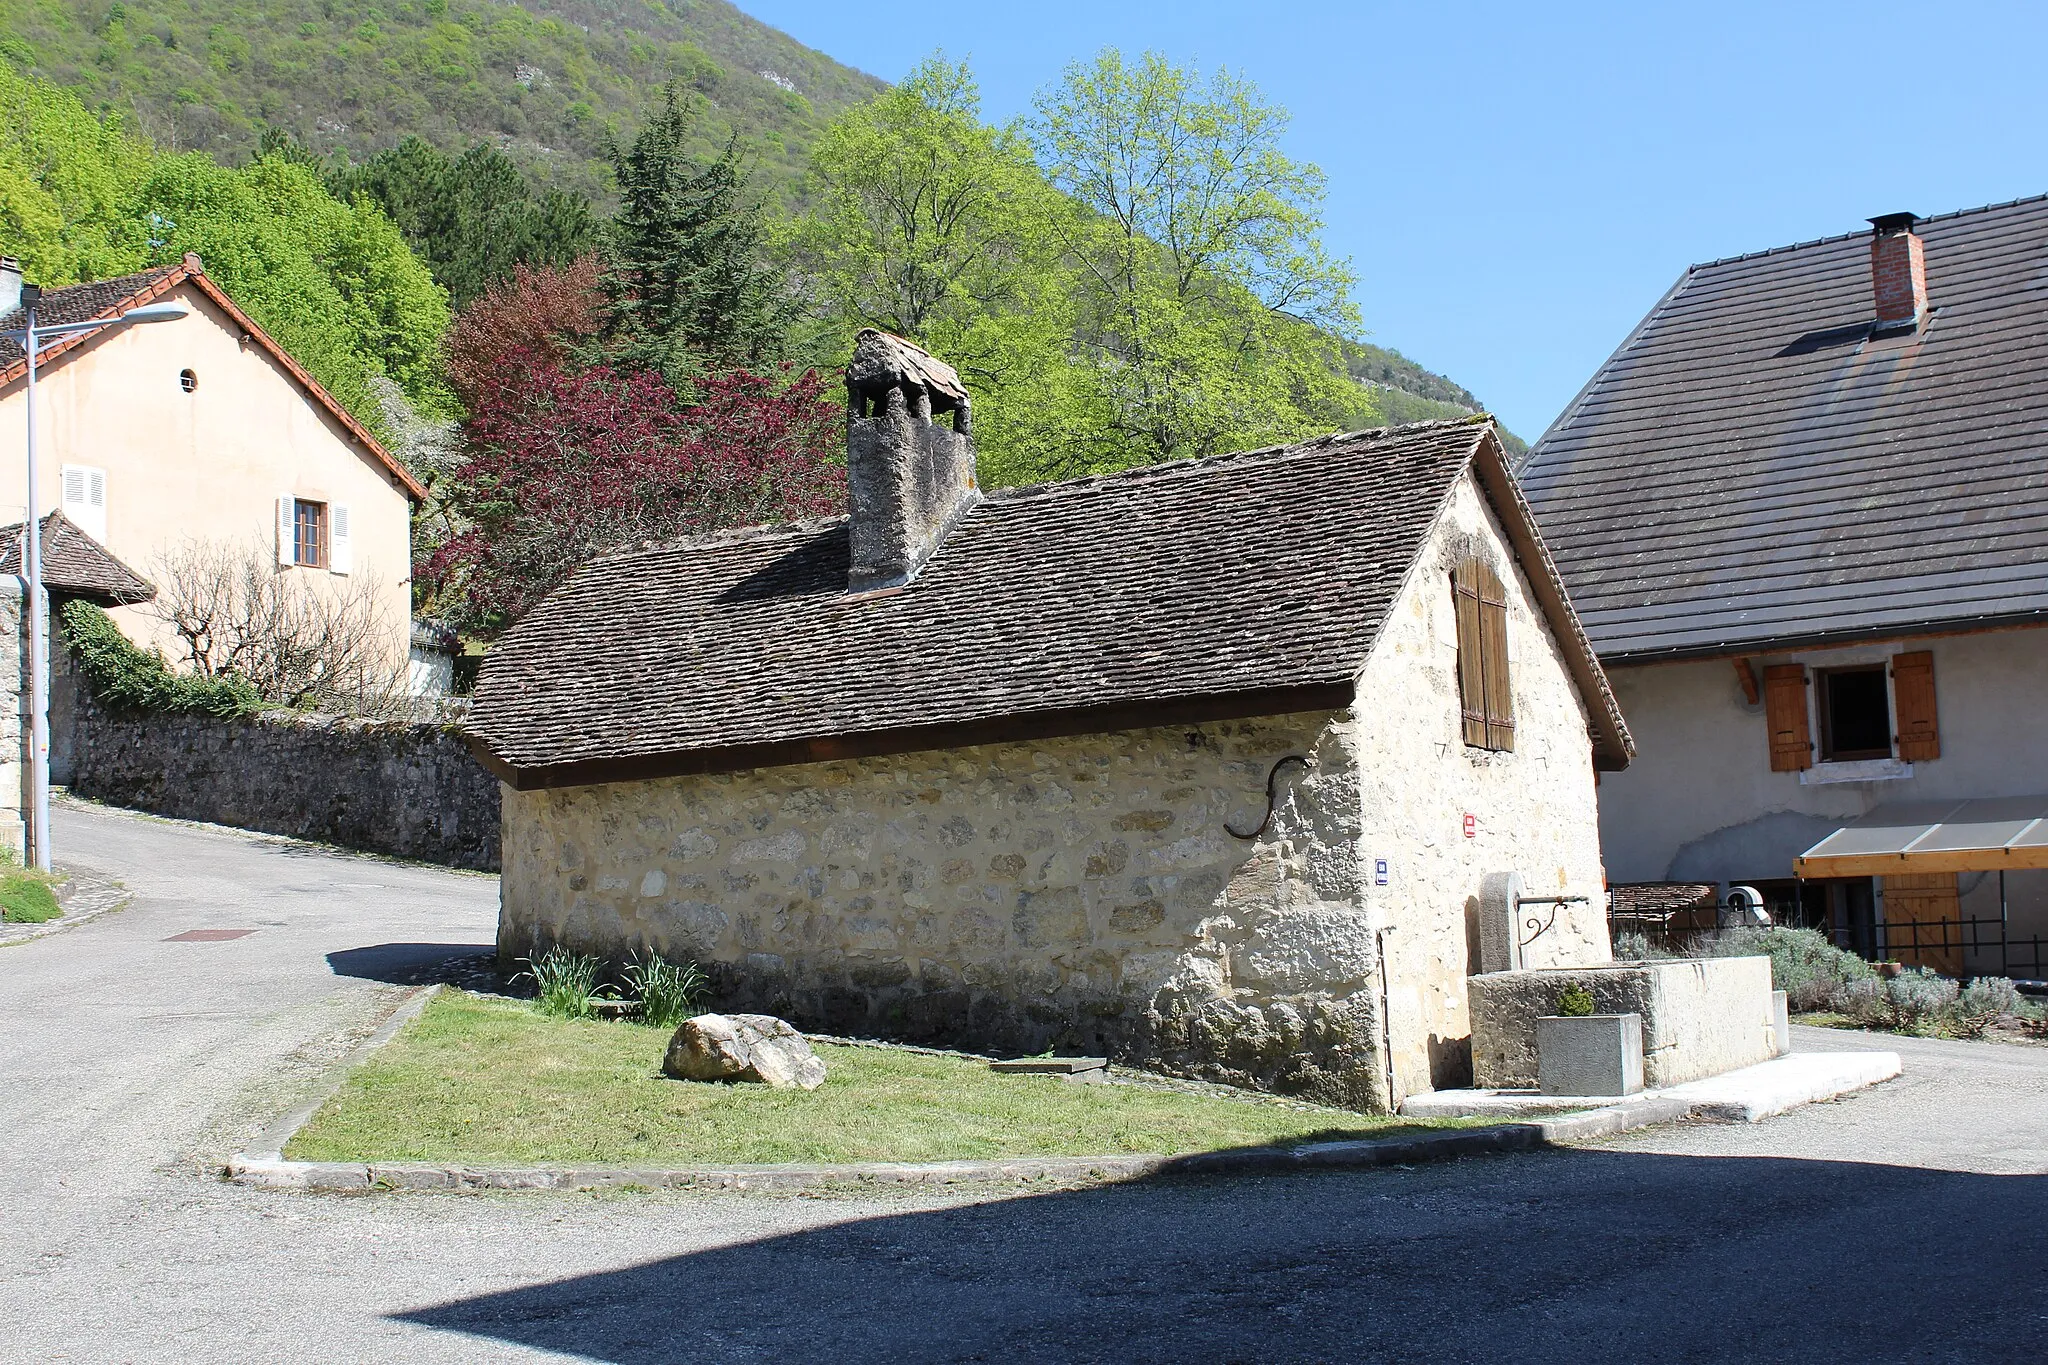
(1907, 1223)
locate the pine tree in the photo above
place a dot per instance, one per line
(690, 283)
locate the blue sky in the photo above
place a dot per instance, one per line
(1516, 184)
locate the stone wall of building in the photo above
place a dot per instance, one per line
(1081, 893)
(404, 788)
(1531, 811)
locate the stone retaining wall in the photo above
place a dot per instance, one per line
(404, 788)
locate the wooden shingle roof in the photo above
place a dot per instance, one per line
(1755, 467)
(1249, 584)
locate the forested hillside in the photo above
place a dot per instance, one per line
(549, 81)
(553, 84)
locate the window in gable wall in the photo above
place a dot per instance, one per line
(1855, 714)
(1485, 697)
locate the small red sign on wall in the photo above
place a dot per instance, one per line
(1471, 824)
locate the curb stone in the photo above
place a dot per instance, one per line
(83, 896)
(271, 1171)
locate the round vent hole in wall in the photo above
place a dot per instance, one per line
(188, 380)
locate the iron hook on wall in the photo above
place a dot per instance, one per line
(1272, 799)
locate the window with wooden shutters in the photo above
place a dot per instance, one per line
(1919, 734)
(1486, 699)
(1785, 716)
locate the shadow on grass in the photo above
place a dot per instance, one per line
(1570, 1256)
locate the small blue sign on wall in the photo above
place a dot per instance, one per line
(1379, 872)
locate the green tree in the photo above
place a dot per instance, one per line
(928, 224)
(82, 198)
(65, 177)
(472, 217)
(691, 283)
(1209, 310)
(334, 283)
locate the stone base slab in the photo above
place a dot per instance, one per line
(1747, 1095)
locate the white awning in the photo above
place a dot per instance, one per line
(1990, 834)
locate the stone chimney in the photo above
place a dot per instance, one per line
(908, 478)
(10, 285)
(1898, 271)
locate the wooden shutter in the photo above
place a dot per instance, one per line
(1913, 706)
(1471, 666)
(287, 533)
(1486, 701)
(1493, 654)
(1785, 716)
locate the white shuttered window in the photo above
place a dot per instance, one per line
(85, 499)
(338, 557)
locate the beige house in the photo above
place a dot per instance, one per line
(1804, 509)
(201, 429)
(1235, 767)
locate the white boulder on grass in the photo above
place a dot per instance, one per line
(743, 1047)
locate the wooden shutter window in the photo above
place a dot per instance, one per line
(1486, 700)
(1919, 734)
(1785, 716)
(1471, 673)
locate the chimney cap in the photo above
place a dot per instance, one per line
(882, 360)
(1886, 223)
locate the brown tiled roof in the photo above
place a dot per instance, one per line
(1755, 467)
(1240, 585)
(76, 565)
(110, 298)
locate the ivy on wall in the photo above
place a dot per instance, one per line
(126, 678)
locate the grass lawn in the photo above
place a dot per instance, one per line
(478, 1080)
(26, 898)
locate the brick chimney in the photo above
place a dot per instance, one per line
(908, 478)
(1898, 271)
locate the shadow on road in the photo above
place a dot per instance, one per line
(1555, 1256)
(415, 964)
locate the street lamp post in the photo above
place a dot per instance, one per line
(32, 339)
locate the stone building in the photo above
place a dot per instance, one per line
(1223, 766)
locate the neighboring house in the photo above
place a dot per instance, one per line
(200, 430)
(1223, 766)
(1804, 515)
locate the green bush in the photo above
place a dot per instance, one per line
(1575, 1000)
(1633, 947)
(130, 679)
(27, 899)
(1804, 965)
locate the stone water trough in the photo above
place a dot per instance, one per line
(1699, 1018)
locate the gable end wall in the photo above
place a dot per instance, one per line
(1533, 810)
